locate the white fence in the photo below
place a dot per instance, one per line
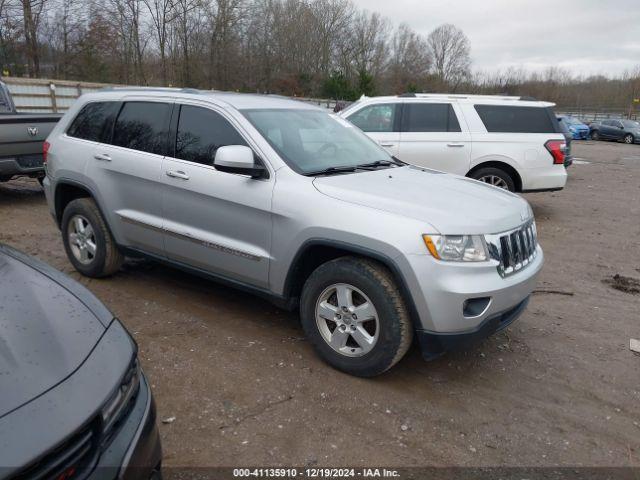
(53, 96)
(47, 96)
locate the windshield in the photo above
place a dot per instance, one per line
(573, 121)
(312, 141)
(630, 124)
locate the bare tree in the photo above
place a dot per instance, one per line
(32, 11)
(410, 62)
(126, 19)
(162, 13)
(450, 54)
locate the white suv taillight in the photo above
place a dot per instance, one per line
(557, 149)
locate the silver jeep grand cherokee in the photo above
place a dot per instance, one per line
(295, 204)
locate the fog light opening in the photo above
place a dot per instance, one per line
(474, 307)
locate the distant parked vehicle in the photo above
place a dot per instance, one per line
(513, 143)
(578, 129)
(74, 403)
(627, 131)
(21, 139)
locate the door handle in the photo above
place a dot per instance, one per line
(387, 145)
(458, 145)
(177, 174)
(103, 157)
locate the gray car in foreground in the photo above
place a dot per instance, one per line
(285, 200)
(74, 403)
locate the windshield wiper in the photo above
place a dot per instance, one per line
(381, 163)
(331, 171)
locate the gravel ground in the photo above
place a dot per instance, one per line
(559, 387)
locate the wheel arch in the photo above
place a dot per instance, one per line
(502, 165)
(68, 190)
(315, 252)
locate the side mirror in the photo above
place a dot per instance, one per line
(238, 159)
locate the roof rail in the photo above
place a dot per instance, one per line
(453, 96)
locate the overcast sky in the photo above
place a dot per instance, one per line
(585, 36)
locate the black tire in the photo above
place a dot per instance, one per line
(595, 135)
(487, 173)
(393, 327)
(107, 259)
(628, 139)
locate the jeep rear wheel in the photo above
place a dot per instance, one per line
(87, 240)
(354, 315)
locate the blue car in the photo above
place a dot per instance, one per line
(578, 130)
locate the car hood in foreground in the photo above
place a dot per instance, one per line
(450, 203)
(47, 330)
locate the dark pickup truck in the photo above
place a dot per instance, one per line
(21, 139)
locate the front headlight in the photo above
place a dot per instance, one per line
(457, 248)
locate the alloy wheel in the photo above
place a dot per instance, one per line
(347, 320)
(82, 239)
(495, 181)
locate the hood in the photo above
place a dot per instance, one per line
(449, 203)
(46, 331)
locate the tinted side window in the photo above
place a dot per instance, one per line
(508, 119)
(201, 132)
(375, 118)
(94, 122)
(429, 117)
(143, 126)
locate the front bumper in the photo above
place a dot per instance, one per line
(440, 289)
(433, 345)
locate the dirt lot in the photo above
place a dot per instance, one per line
(560, 387)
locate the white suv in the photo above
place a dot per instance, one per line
(510, 142)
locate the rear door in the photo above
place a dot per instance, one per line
(127, 170)
(381, 122)
(216, 221)
(434, 135)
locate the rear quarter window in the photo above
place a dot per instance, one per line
(516, 119)
(94, 122)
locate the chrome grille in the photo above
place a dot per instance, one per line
(515, 249)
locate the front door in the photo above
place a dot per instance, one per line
(381, 123)
(215, 221)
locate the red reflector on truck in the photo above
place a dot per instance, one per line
(45, 150)
(557, 150)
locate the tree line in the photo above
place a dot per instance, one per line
(318, 48)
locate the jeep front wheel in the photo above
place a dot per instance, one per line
(354, 315)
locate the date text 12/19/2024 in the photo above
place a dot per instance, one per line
(315, 473)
